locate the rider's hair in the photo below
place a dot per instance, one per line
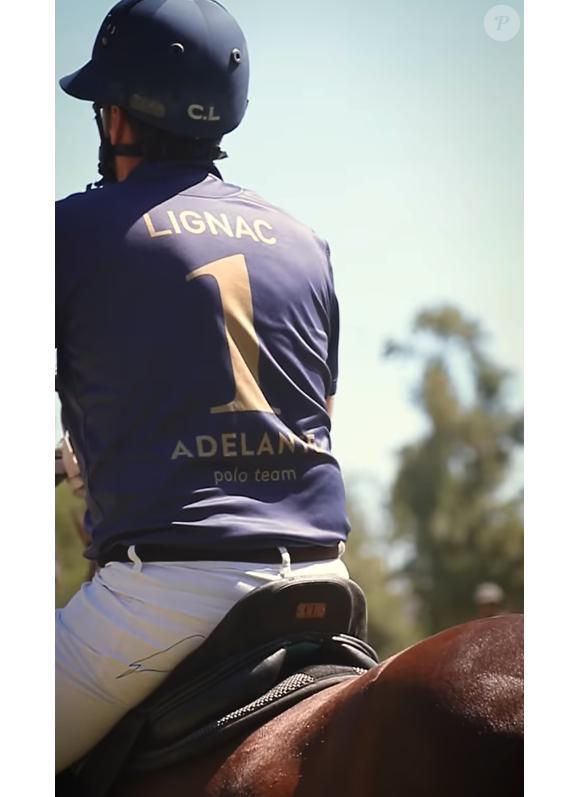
(157, 140)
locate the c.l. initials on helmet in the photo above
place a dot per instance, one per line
(199, 112)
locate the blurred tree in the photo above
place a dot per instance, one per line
(391, 626)
(446, 503)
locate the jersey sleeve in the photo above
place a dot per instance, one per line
(333, 345)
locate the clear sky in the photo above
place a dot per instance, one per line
(394, 128)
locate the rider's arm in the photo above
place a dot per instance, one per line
(59, 469)
(66, 464)
(73, 472)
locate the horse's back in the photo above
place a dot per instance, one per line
(456, 711)
(443, 718)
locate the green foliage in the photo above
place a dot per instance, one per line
(391, 627)
(445, 502)
(69, 548)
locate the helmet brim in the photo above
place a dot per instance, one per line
(85, 84)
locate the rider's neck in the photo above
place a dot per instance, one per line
(120, 132)
(124, 166)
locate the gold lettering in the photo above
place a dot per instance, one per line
(199, 225)
(303, 443)
(223, 225)
(275, 476)
(173, 221)
(313, 444)
(231, 275)
(246, 452)
(265, 445)
(243, 228)
(181, 450)
(151, 229)
(201, 440)
(284, 442)
(259, 223)
(229, 440)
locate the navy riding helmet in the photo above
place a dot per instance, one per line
(180, 65)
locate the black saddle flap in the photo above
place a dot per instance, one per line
(172, 718)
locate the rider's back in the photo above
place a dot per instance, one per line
(197, 331)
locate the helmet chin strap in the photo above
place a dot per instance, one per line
(193, 152)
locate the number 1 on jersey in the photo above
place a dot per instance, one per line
(231, 275)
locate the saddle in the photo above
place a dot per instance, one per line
(278, 645)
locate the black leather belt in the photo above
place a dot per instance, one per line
(166, 553)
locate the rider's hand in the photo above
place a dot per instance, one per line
(73, 474)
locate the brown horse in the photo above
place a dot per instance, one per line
(443, 718)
